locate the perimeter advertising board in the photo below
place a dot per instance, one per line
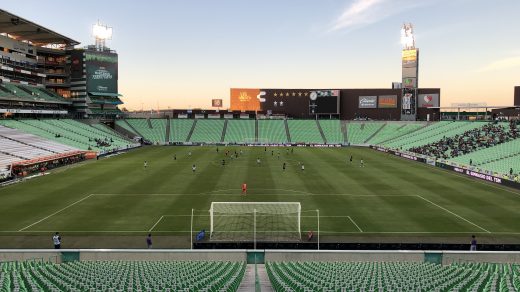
(101, 72)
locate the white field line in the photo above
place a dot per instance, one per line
(292, 216)
(353, 222)
(47, 217)
(489, 184)
(156, 223)
(239, 195)
(454, 214)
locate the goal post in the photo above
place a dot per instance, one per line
(255, 221)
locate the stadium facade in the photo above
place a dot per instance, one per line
(43, 73)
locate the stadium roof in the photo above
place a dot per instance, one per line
(25, 30)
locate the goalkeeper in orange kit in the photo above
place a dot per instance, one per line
(244, 189)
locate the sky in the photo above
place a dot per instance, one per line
(181, 54)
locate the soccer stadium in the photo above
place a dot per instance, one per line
(284, 189)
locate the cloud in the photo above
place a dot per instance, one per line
(364, 12)
(501, 64)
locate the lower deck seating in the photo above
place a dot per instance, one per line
(392, 276)
(207, 131)
(122, 276)
(304, 131)
(359, 132)
(271, 131)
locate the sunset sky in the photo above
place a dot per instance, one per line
(181, 54)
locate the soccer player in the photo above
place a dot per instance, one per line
(350, 158)
(217, 149)
(223, 162)
(283, 167)
(244, 189)
(303, 167)
(193, 168)
(56, 239)
(258, 161)
(272, 153)
(145, 164)
(189, 153)
(149, 240)
(174, 156)
(361, 163)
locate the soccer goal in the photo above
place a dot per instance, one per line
(255, 221)
(261, 141)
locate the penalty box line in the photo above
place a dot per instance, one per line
(60, 210)
(452, 213)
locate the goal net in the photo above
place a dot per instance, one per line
(260, 221)
(259, 140)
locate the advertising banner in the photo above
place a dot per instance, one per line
(387, 101)
(428, 100)
(101, 72)
(368, 102)
(199, 116)
(409, 72)
(182, 116)
(244, 99)
(407, 101)
(409, 58)
(213, 116)
(228, 116)
(409, 83)
(216, 102)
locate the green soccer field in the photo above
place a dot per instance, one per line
(389, 197)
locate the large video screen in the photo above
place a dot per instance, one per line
(244, 99)
(324, 102)
(101, 72)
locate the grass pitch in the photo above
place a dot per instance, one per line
(389, 197)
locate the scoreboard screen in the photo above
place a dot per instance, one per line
(324, 102)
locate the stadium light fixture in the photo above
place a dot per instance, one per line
(407, 36)
(101, 31)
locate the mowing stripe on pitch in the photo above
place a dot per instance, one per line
(353, 222)
(456, 215)
(45, 218)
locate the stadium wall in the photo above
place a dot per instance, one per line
(517, 96)
(443, 257)
(294, 103)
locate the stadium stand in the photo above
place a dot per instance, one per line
(359, 132)
(431, 133)
(486, 136)
(121, 276)
(208, 131)
(123, 124)
(240, 131)
(180, 129)
(272, 131)
(393, 130)
(153, 130)
(304, 131)
(332, 131)
(388, 276)
(72, 133)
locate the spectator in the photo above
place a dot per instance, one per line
(473, 246)
(149, 240)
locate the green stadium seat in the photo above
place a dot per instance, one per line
(359, 132)
(122, 276)
(272, 131)
(332, 131)
(180, 129)
(240, 131)
(304, 131)
(207, 131)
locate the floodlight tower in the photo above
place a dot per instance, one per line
(410, 73)
(101, 33)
